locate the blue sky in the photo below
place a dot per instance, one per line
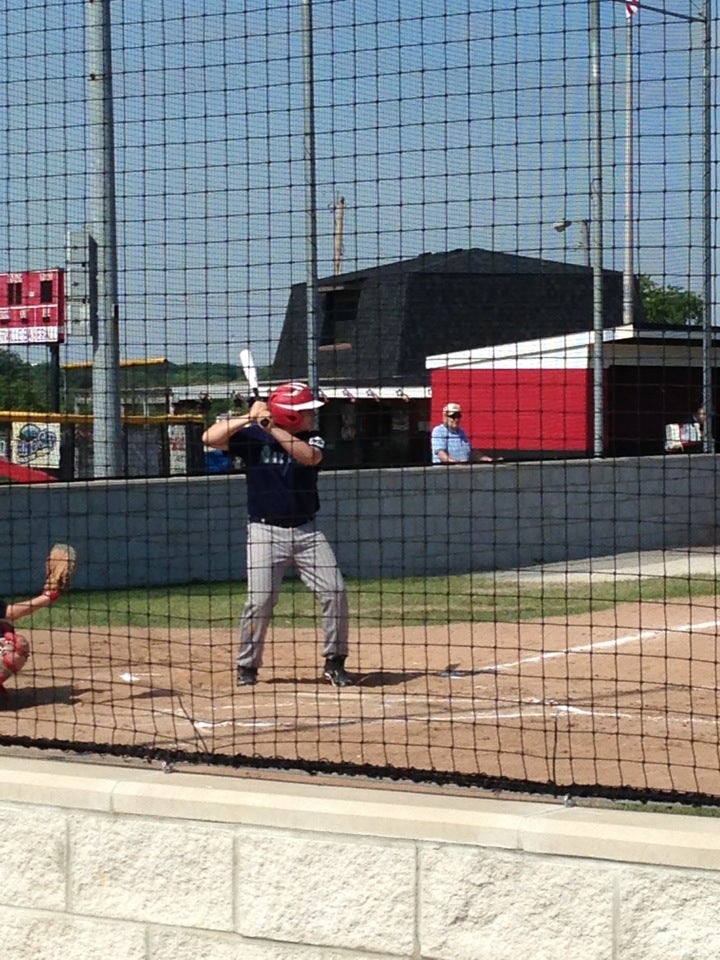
(442, 125)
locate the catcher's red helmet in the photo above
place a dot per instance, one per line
(14, 651)
(288, 403)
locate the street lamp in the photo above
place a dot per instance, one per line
(562, 225)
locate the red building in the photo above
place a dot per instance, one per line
(32, 307)
(534, 399)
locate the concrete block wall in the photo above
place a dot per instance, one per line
(105, 862)
(411, 521)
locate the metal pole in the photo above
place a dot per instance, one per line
(629, 269)
(707, 358)
(107, 422)
(586, 242)
(597, 220)
(54, 350)
(311, 284)
(338, 245)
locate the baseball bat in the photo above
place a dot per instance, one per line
(250, 370)
(247, 362)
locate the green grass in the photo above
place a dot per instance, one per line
(678, 809)
(407, 601)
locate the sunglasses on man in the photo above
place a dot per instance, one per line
(454, 416)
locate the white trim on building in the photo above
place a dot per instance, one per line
(223, 391)
(623, 346)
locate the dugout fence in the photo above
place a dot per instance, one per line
(59, 446)
(507, 209)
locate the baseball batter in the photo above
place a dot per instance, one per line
(282, 453)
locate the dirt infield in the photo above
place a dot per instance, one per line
(623, 698)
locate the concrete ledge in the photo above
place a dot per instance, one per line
(138, 864)
(628, 836)
(512, 825)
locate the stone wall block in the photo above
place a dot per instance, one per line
(485, 905)
(28, 935)
(343, 894)
(32, 866)
(145, 870)
(668, 915)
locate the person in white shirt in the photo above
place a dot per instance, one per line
(686, 437)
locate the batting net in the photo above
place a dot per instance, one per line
(483, 238)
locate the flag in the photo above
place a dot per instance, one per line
(631, 9)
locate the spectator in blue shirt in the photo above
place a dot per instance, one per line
(448, 440)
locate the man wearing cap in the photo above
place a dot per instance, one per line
(282, 453)
(448, 441)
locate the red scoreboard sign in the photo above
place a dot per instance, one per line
(32, 307)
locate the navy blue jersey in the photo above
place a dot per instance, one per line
(279, 488)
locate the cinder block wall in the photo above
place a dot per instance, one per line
(385, 522)
(116, 863)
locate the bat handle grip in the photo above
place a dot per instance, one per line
(264, 422)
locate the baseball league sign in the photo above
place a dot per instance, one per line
(36, 444)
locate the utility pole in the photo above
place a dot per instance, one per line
(312, 304)
(107, 422)
(596, 198)
(629, 265)
(709, 430)
(339, 210)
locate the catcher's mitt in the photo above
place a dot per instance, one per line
(60, 569)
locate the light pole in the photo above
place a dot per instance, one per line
(707, 215)
(598, 364)
(562, 225)
(596, 213)
(312, 303)
(107, 419)
(629, 255)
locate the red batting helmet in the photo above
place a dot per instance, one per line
(288, 403)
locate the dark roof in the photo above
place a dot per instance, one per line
(474, 260)
(378, 325)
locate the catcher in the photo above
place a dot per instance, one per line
(14, 648)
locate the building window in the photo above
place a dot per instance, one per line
(46, 291)
(339, 316)
(14, 294)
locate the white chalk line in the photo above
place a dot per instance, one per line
(473, 719)
(474, 716)
(527, 710)
(614, 642)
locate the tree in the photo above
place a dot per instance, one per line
(22, 386)
(670, 305)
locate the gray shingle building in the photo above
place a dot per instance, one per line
(377, 325)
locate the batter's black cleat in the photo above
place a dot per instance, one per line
(246, 676)
(335, 672)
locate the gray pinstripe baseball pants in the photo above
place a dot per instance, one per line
(270, 551)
